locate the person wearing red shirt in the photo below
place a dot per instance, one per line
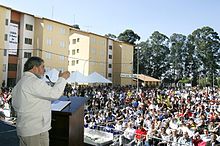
(197, 141)
(140, 134)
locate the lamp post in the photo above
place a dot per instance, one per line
(213, 81)
(138, 54)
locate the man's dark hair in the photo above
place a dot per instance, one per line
(31, 62)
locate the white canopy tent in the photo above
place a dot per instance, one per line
(52, 74)
(77, 77)
(97, 78)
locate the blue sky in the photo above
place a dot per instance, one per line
(114, 16)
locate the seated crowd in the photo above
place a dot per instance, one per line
(149, 117)
(155, 117)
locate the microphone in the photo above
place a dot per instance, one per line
(50, 82)
(48, 78)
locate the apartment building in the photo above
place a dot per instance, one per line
(123, 62)
(15, 41)
(61, 46)
(89, 52)
(51, 42)
(3, 12)
(24, 35)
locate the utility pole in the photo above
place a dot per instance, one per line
(138, 54)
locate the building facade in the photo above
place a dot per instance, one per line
(89, 52)
(24, 35)
(16, 43)
(51, 42)
(63, 47)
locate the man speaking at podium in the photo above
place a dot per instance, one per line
(31, 99)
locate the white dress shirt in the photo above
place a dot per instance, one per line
(31, 99)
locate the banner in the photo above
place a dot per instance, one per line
(13, 39)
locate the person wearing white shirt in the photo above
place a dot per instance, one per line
(128, 135)
(31, 99)
(185, 140)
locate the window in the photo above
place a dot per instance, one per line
(5, 52)
(48, 55)
(93, 40)
(6, 37)
(49, 42)
(110, 47)
(61, 58)
(28, 41)
(27, 54)
(93, 50)
(49, 27)
(4, 67)
(109, 75)
(102, 53)
(73, 62)
(77, 39)
(62, 30)
(29, 27)
(110, 56)
(6, 21)
(12, 67)
(74, 41)
(109, 65)
(73, 52)
(62, 44)
(77, 50)
(77, 61)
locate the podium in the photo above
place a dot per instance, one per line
(68, 124)
(8, 135)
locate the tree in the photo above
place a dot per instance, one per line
(76, 26)
(207, 44)
(154, 55)
(112, 36)
(177, 54)
(129, 36)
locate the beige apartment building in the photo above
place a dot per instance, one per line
(63, 47)
(24, 35)
(3, 12)
(89, 52)
(51, 42)
(16, 42)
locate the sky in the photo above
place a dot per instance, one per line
(115, 16)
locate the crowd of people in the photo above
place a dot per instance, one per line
(6, 110)
(153, 117)
(149, 116)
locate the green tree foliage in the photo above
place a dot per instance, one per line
(154, 51)
(129, 36)
(177, 56)
(76, 26)
(112, 36)
(195, 58)
(207, 44)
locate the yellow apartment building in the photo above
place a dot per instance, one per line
(24, 35)
(17, 29)
(61, 46)
(89, 52)
(51, 42)
(123, 62)
(3, 24)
